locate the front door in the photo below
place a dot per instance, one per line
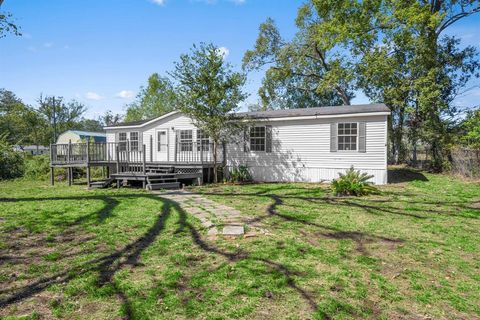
(162, 146)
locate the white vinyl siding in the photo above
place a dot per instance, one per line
(301, 152)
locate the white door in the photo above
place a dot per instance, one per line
(161, 146)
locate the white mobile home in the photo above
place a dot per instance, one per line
(293, 145)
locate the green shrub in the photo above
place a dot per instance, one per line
(11, 161)
(37, 167)
(353, 183)
(240, 174)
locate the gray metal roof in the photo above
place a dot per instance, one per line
(284, 113)
(317, 111)
(131, 123)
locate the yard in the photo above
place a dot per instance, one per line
(412, 252)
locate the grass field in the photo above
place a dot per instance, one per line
(412, 252)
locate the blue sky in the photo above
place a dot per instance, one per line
(100, 52)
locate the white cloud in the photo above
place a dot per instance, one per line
(239, 1)
(125, 94)
(159, 2)
(48, 44)
(93, 96)
(32, 49)
(223, 52)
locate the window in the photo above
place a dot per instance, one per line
(347, 136)
(257, 138)
(186, 143)
(134, 141)
(161, 141)
(203, 141)
(122, 141)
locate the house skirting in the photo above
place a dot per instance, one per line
(308, 174)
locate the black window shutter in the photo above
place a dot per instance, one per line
(268, 138)
(362, 137)
(333, 137)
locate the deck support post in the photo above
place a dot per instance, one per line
(108, 172)
(69, 176)
(52, 175)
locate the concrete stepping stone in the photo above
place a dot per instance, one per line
(233, 230)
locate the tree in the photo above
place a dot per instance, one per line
(110, 118)
(59, 115)
(302, 72)
(157, 98)
(91, 125)
(6, 24)
(471, 129)
(209, 93)
(393, 50)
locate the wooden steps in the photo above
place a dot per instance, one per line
(162, 181)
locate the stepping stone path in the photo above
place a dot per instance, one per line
(219, 219)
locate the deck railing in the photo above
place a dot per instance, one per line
(128, 153)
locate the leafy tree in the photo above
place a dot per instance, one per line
(393, 50)
(89, 125)
(157, 98)
(471, 129)
(110, 118)
(10, 116)
(59, 115)
(11, 162)
(209, 93)
(6, 24)
(302, 72)
(21, 123)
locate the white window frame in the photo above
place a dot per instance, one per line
(122, 143)
(186, 144)
(356, 135)
(159, 142)
(259, 138)
(203, 141)
(134, 144)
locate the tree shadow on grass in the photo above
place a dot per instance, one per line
(106, 266)
(130, 255)
(401, 175)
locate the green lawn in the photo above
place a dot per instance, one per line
(411, 252)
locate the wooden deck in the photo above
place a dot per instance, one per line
(125, 164)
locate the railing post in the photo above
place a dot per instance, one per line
(52, 170)
(117, 157)
(151, 148)
(88, 163)
(69, 151)
(176, 149)
(201, 152)
(144, 159)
